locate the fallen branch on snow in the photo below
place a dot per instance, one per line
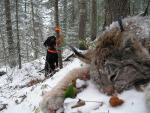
(21, 99)
(3, 106)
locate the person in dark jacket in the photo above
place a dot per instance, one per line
(52, 55)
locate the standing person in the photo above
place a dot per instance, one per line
(52, 55)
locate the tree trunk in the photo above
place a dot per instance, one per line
(65, 16)
(11, 48)
(35, 40)
(94, 20)
(115, 9)
(82, 23)
(57, 33)
(25, 16)
(18, 38)
(4, 49)
(73, 13)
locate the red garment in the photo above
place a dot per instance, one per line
(54, 51)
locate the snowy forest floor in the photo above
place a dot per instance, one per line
(26, 99)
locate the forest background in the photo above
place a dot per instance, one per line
(25, 24)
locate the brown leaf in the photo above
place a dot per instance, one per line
(115, 101)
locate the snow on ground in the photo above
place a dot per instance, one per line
(133, 102)
(11, 94)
